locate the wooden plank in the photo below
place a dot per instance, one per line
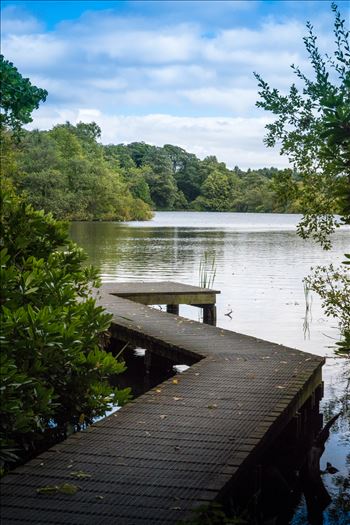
(165, 292)
(140, 287)
(171, 298)
(180, 444)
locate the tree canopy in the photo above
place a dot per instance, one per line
(54, 366)
(68, 172)
(312, 126)
(18, 97)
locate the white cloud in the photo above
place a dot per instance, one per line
(162, 82)
(35, 51)
(235, 100)
(17, 21)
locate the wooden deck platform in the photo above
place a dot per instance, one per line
(171, 294)
(179, 445)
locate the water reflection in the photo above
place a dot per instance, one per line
(259, 272)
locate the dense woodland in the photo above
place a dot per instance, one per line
(69, 172)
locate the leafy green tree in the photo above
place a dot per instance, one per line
(255, 193)
(160, 179)
(186, 171)
(284, 186)
(119, 156)
(215, 193)
(136, 180)
(139, 151)
(65, 171)
(18, 97)
(312, 126)
(53, 367)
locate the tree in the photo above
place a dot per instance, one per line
(186, 171)
(65, 171)
(160, 178)
(54, 368)
(313, 129)
(54, 371)
(216, 193)
(18, 97)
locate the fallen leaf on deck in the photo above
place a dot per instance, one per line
(158, 390)
(80, 474)
(163, 416)
(212, 406)
(176, 398)
(175, 381)
(68, 488)
(64, 488)
(48, 489)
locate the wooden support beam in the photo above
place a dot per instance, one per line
(209, 314)
(172, 309)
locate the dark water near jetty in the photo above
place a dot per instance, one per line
(260, 265)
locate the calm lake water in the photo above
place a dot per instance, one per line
(260, 265)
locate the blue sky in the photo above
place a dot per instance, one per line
(164, 72)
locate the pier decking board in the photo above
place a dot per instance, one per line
(180, 444)
(164, 292)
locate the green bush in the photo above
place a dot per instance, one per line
(54, 371)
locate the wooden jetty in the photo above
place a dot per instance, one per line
(169, 293)
(181, 444)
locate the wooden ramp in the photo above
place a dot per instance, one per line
(179, 445)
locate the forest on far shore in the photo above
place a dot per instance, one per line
(68, 172)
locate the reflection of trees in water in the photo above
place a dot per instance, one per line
(339, 401)
(117, 249)
(338, 484)
(338, 512)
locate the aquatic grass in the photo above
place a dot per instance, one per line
(308, 313)
(207, 270)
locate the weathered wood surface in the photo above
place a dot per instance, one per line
(180, 444)
(164, 292)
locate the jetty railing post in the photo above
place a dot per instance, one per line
(172, 309)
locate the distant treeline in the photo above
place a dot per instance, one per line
(68, 172)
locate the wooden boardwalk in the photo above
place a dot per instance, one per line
(179, 445)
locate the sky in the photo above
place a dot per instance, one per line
(165, 72)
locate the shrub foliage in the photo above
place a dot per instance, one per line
(54, 371)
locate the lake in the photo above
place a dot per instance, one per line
(260, 265)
